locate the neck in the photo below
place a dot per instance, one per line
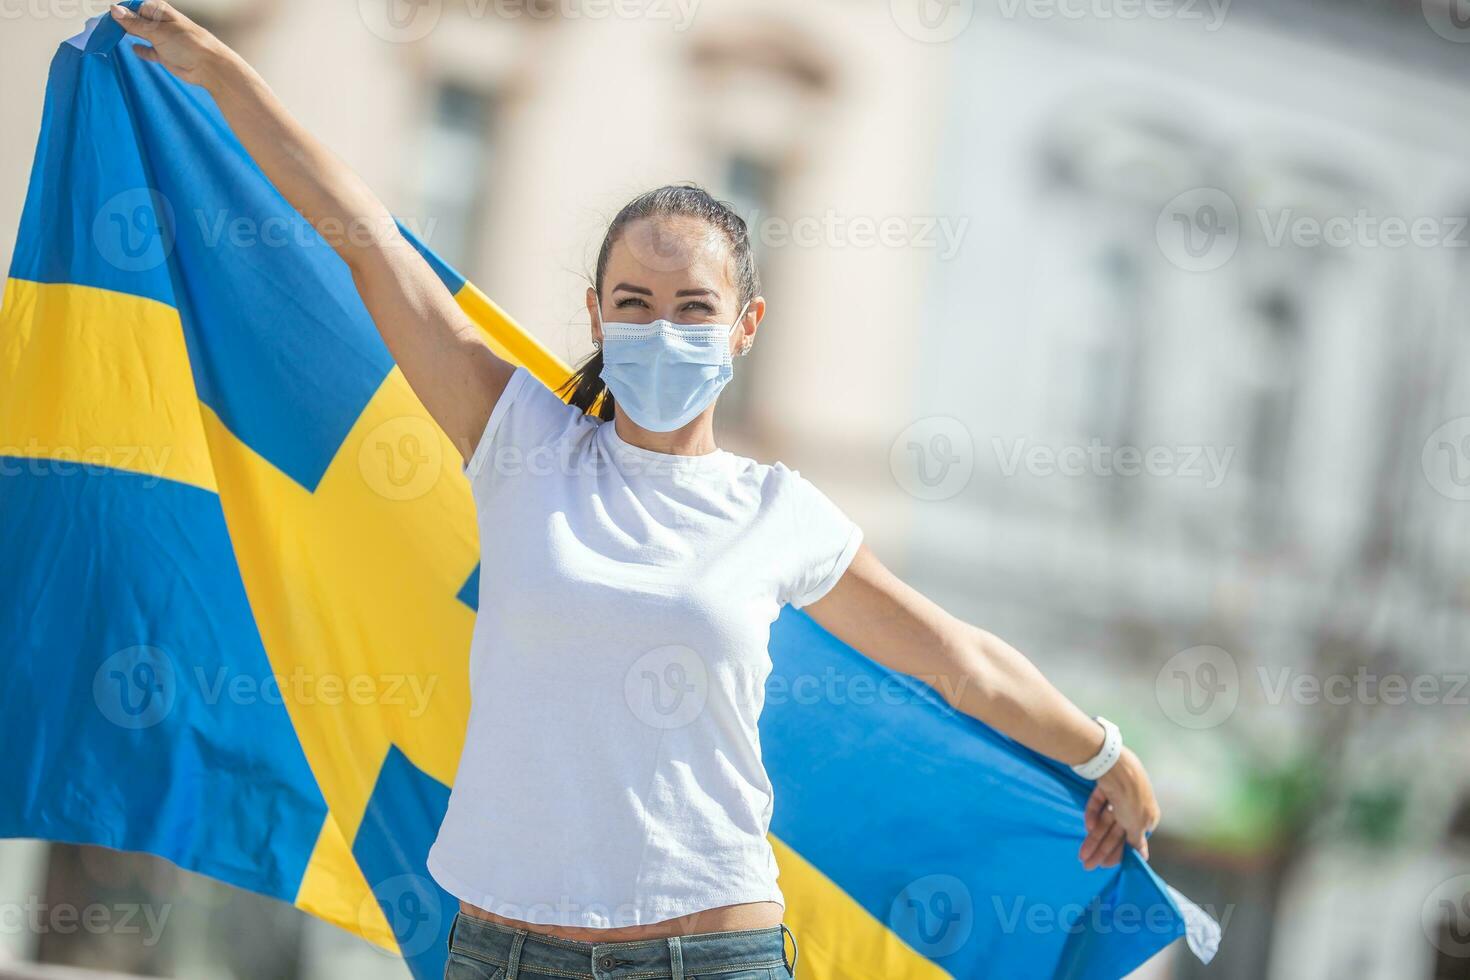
(697, 438)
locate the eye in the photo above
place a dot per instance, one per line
(627, 301)
(699, 307)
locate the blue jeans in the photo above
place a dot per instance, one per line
(482, 950)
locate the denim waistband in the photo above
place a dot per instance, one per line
(645, 959)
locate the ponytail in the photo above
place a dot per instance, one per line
(586, 390)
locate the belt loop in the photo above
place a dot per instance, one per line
(513, 970)
(795, 950)
(453, 925)
(676, 958)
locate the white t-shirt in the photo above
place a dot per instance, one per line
(612, 770)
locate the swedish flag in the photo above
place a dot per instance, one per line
(239, 580)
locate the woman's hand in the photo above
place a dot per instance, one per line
(1121, 809)
(450, 367)
(179, 44)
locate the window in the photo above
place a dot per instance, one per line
(749, 185)
(453, 169)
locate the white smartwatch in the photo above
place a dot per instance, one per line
(1107, 756)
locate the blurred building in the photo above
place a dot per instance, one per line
(1048, 317)
(1190, 243)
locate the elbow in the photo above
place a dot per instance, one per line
(370, 260)
(369, 241)
(968, 676)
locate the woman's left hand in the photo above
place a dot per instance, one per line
(1122, 809)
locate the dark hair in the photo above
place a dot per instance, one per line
(585, 388)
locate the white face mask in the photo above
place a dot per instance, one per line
(664, 374)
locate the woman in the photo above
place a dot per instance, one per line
(610, 813)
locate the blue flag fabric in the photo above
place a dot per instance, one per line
(239, 580)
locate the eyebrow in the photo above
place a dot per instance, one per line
(644, 291)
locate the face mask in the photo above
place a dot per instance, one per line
(664, 374)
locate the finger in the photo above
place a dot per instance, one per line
(1137, 839)
(1112, 841)
(1106, 842)
(145, 52)
(156, 11)
(1095, 805)
(1093, 843)
(1089, 844)
(1113, 857)
(131, 22)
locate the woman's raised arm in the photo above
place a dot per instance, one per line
(451, 369)
(874, 612)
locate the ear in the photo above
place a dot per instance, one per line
(750, 322)
(594, 316)
(756, 312)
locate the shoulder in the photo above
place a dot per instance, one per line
(818, 540)
(527, 417)
(775, 483)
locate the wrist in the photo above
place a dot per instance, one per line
(220, 68)
(1106, 754)
(1124, 772)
